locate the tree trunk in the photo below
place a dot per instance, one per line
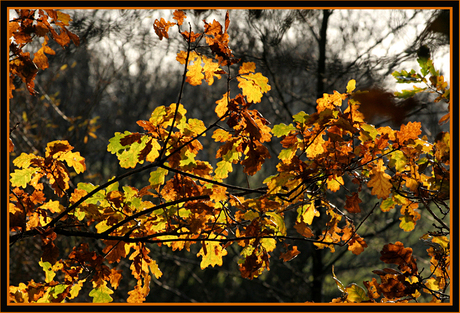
(317, 284)
(322, 40)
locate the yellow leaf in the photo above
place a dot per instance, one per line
(351, 86)
(253, 86)
(182, 56)
(73, 159)
(194, 75)
(330, 101)
(209, 70)
(334, 183)
(221, 135)
(222, 104)
(155, 269)
(316, 147)
(307, 213)
(53, 206)
(356, 293)
(213, 254)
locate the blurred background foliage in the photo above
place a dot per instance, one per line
(121, 71)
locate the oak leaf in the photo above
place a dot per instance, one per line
(253, 86)
(162, 27)
(410, 131)
(380, 181)
(179, 16)
(397, 254)
(290, 254)
(303, 229)
(101, 293)
(212, 253)
(40, 58)
(352, 203)
(307, 213)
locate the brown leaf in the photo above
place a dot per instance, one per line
(397, 254)
(352, 203)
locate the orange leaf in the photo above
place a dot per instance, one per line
(410, 131)
(290, 254)
(162, 27)
(179, 16)
(194, 75)
(190, 36)
(357, 245)
(209, 69)
(380, 181)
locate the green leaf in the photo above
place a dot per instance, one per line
(368, 132)
(387, 204)
(48, 269)
(287, 154)
(115, 147)
(282, 129)
(20, 178)
(157, 116)
(101, 294)
(222, 170)
(55, 291)
(130, 157)
(356, 293)
(94, 199)
(75, 290)
(188, 158)
(405, 94)
(157, 177)
(397, 160)
(300, 117)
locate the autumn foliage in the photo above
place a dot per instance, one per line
(186, 201)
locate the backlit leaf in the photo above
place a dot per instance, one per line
(253, 86)
(380, 181)
(213, 254)
(179, 16)
(351, 86)
(20, 178)
(222, 105)
(282, 129)
(307, 213)
(157, 177)
(162, 27)
(356, 293)
(101, 293)
(290, 254)
(222, 170)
